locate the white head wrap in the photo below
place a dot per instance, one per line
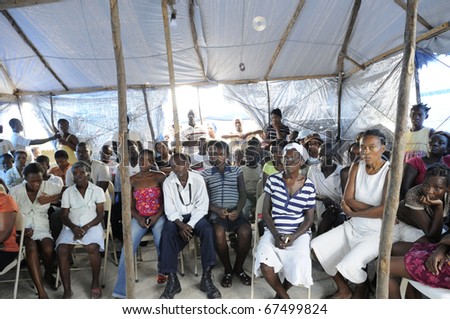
(299, 148)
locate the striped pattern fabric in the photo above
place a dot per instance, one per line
(272, 133)
(287, 210)
(223, 188)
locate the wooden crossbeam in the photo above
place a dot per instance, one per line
(195, 39)
(11, 4)
(284, 37)
(444, 27)
(24, 37)
(422, 21)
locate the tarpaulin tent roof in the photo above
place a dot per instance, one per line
(67, 45)
(301, 48)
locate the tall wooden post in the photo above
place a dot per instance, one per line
(149, 118)
(171, 74)
(123, 140)
(396, 169)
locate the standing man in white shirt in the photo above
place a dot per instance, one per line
(99, 171)
(186, 206)
(191, 134)
(20, 143)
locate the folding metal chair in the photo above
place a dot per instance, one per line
(20, 227)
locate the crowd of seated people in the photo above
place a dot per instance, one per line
(312, 205)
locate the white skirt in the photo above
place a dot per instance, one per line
(292, 263)
(93, 236)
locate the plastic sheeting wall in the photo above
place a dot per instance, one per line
(93, 117)
(369, 100)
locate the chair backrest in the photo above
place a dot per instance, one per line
(259, 188)
(109, 194)
(20, 227)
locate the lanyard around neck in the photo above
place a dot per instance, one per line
(190, 195)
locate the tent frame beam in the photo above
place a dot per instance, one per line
(420, 19)
(7, 76)
(340, 62)
(139, 87)
(444, 27)
(195, 38)
(27, 41)
(286, 33)
(11, 4)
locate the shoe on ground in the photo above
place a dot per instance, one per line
(172, 287)
(207, 286)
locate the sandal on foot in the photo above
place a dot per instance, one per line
(245, 279)
(227, 280)
(96, 293)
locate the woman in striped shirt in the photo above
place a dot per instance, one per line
(288, 210)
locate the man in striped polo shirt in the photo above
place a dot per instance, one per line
(227, 196)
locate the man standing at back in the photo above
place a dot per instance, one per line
(99, 171)
(186, 206)
(19, 142)
(190, 135)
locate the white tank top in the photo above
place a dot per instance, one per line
(369, 188)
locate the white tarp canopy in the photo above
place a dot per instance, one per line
(299, 47)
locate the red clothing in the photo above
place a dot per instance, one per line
(415, 261)
(7, 205)
(419, 165)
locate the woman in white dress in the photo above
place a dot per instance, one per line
(82, 214)
(346, 250)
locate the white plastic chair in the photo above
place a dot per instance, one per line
(430, 292)
(20, 227)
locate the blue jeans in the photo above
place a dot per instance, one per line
(137, 232)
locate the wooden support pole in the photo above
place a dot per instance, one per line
(12, 4)
(123, 140)
(340, 62)
(149, 118)
(195, 38)
(268, 103)
(420, 19)
(171, 74)
(396, 169)
(52, 117)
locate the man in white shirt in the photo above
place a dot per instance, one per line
(191, 134)
(20, 143)
(99, 171)
(186, 206)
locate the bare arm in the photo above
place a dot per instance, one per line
(354, 208)
(103, 185)
(267, 215)
(7, 221)
(349, 193)
(72, 142)
(431, 227)
(43, 140)
(409, 175)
